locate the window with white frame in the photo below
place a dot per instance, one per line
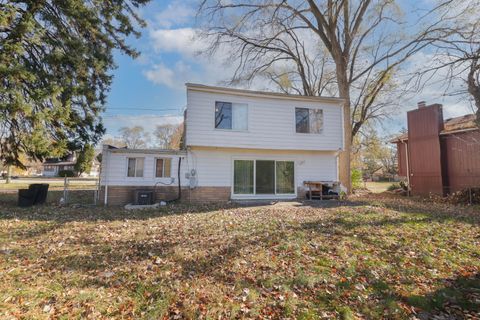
(163, 167)
(135, 167)
(308, 120)
(231, 116)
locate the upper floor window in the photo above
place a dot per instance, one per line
(135, 167)
(231, 116)
(163, 167)
(308, 120)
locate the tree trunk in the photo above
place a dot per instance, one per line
(344, 159)
(474, 87)
(9, 174)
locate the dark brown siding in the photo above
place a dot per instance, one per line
(402, 158)
(424, 126)
(461, 156)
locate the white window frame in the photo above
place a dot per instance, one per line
(163, 167)
(233, 103)
(135, 176)
(295, 120)
(234, 195)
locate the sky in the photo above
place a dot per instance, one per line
(150, 90)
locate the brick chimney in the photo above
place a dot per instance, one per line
(424, 154)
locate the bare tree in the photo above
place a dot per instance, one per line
(164, 135)
(473, 81)
(455, 61)
(363, 42)
(115, 142)
(134, 137)
(178, 137)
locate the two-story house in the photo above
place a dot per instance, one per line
(239, 144)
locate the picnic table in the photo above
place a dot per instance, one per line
(317, 186)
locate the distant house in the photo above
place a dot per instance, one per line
(439, 156)
(239, 144)
(52, 167)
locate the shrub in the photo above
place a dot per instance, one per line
(356, 176)
(66, 173)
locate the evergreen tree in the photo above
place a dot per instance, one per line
(85, 159)
(55, 62)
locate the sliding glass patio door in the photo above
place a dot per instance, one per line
(263, 177)
(243, 177)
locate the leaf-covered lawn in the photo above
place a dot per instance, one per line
(368, 259)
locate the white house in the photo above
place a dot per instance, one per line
(240, 144)
(53, 167)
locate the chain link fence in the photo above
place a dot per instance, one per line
(80, 191)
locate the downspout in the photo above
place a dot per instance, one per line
(179, 183)
(105, 171)
(408, 168)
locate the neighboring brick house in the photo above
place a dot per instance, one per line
(439, 156)
(239, 144)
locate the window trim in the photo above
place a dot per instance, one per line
(163, 167)
(234, 195)
(295, 120)
(135, 176)
(231, 130)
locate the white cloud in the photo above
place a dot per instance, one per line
(189, 66)
(161, 74)
(173, 77)
(181, 40)
(176, 13)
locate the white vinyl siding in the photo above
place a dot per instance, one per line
(114, 167)
(214, 167)
(270, 123)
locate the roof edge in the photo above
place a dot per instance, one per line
(255, 93)
(149, 151)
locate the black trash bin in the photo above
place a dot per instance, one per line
(35, 194)
(41, 192)
(25, 198)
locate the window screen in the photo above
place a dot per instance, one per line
(135, 167)
(223, 115)
(231, 116)
(163, 168)
(308, 120)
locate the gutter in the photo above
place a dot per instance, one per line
(458, 131)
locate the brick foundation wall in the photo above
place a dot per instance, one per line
(122, 195)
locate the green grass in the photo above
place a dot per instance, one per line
(54, 184)
(378, 187)
(375, 258)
